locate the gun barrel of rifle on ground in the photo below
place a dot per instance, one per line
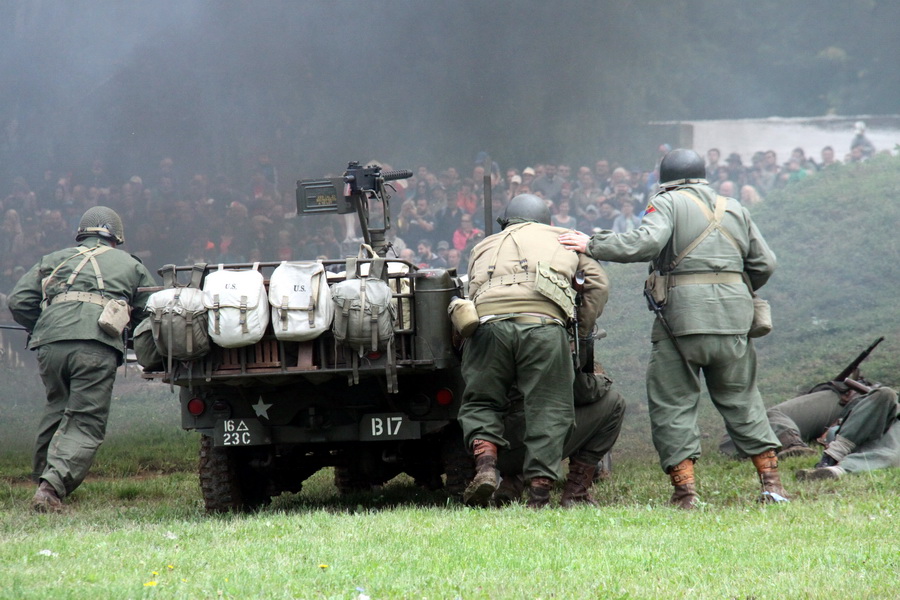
(850, 369)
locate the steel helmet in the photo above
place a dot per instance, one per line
(681, 166)
(101, 221)
(525, 207)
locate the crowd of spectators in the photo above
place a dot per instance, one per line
(437, 215)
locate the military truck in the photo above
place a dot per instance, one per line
(273, 413)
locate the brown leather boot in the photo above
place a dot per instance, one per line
(539, 492)
(684, 495)
(46, 499)
(510, 490)
(483, 485)
(578, 484)
(767, 467)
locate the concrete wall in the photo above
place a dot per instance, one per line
(746, 136)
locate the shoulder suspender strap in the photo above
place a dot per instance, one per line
(715, 222)
(89, 256)
(492, 265)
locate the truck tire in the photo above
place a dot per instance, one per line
(226, 480)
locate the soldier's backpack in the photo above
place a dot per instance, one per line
(301, 305)
(238, 306)
(364, 315)
(178, 317)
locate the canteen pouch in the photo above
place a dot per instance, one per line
(464, 316)
(762, 318)
(658, 286)
(115, 317)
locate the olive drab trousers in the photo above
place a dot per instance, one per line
(868, 417)
(78, 377)
(537, 359)
(597, 426)
(728, 364)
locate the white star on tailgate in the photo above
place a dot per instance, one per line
(262, 409)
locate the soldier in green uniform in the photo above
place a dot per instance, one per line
(859, 429)
(707, 255)
(801, 420)
(599, 412)
(520, 281)
(60, 301)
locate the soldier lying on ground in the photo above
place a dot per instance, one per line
(599, 412)
(858, 429)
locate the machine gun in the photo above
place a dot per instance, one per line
(351, 193)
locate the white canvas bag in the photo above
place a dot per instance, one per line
(301, 303)
(238, 307)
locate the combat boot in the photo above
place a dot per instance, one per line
(834, 472)
(46, 499)
(510, 490)
(767, 467)
(578, 484)
(539, 492)
(483, 485)
(684, 495)
(792, 445)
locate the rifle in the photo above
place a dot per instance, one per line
(658, 311)
(854, 366)
(578, 286)
(13, 327)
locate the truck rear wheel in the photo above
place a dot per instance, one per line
(227, 480)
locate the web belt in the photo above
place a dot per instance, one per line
(79, 297)
(699, 278)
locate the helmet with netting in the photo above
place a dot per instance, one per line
(101, 221)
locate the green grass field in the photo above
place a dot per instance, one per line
(137, 529)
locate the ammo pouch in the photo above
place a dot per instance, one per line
(554, 285)
(464, 316)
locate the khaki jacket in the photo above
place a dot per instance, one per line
(521, 247)
(672, 221)
(122, 275)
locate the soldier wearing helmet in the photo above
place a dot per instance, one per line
(60, 301)
(708, 258)
(520, 281)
